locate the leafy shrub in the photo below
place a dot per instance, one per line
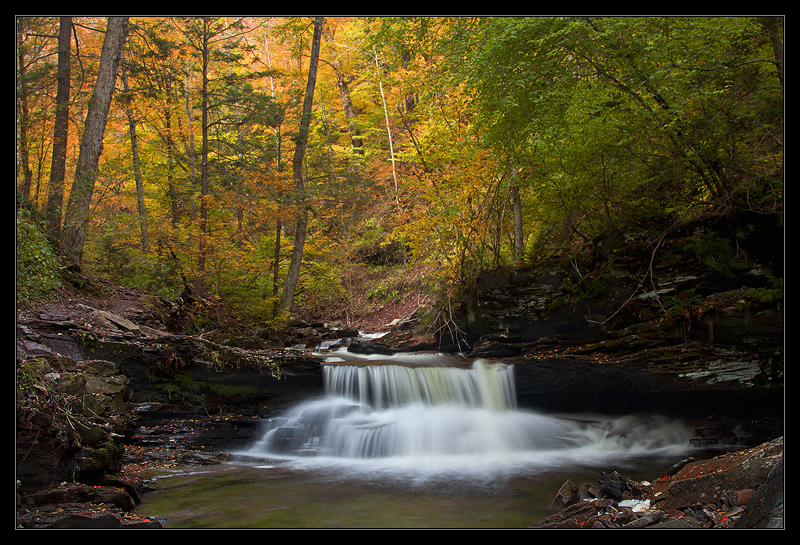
(37, 265)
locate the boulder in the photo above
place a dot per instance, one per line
(566, 496)
(764, 507)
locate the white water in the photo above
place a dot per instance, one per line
(426, 415)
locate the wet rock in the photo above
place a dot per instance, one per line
(574, 516)
(371, 348)
(612, 485)
(498, 346)
(705, 481)
(675, 468)
(400, 340)
(70, 419)
(741, 489)
(79, 493)
(764, 507)
(645, 520)
(79, 506)
(314, 332)
(567, 495)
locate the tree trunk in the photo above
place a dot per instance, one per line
(297, 167)
(349, 111)
(172, 192)
(276, 268)
(347, 102)
(388, 128)
(201, 257)
(55, 199)
(137, 168)
(77, 214)
(24, 161)
(189, 146)
(278, 224)
(516, 204)
(772, 27)
(519, 243)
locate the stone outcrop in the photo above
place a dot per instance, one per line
(72, 418)
(69, 419)
(694, 311)
(700, 281)
(741, 489)
(176, 373)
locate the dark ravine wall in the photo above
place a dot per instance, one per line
(629, 278)
(688, 318)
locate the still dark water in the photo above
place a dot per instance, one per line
(412, 441)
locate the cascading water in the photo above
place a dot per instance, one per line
(414, 440)
(415, 412)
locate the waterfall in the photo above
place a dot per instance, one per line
(429, 410)
(489, 386)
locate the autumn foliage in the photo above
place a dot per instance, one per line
(438, 146)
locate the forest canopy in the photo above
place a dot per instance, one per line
(395, 154)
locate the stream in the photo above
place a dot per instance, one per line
(416, 440)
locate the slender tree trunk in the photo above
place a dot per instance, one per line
(23, 122)
(77, 213)
(191, 151)
(278, 224)
(276, 269)
(203, 245)
(349, 111)
(172, 192)
(297, 168)
(347, 103)
(772, 27)
(137, 167)
(388, 128)
(519, 243)
(189, 144)
(55, 199)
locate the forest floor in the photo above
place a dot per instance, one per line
(77, 306)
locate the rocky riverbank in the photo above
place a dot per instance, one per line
(82, 445)
(740, 489)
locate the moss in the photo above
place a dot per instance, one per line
(711, 250)
(228, 390)
(29, 373)
(773, 293)
(91, 435)
(589, 288)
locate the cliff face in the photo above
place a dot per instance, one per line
(694, 311)
(695, 272)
